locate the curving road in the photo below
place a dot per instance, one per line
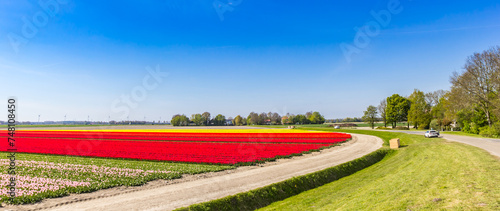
(489, 144)
(186, 193)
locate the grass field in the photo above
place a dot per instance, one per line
(424, 174)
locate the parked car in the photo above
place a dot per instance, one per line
(431, 133)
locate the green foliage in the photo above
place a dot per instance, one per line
(301, 119)
(219, 120)
(434, 124)
(253, 119)
(316, 118)
(419, 113)
(238, 121)
(179, 120)
(370, 115)
(206, 118)
(397, 109)
(264, 196)
(197, 119)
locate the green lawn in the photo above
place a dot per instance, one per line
(426, 174)
(460, 133)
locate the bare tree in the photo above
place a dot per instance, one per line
(479, 83)
(381, 110)
(432, 98)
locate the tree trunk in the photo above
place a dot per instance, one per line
(488, 117)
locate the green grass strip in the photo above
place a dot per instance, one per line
(264, 196)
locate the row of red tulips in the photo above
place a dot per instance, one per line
(225, 148)
(225, 153)
(142, 135)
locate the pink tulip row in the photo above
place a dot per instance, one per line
(27, 185)
(32, 185)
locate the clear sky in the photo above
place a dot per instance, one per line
(83, 58)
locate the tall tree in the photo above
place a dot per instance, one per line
(370, 115)
(479, 83)
(301, 119)
(275, 119)
(397, 109)
(381, 110)
(220, 120)
(253, 119)
(419, 113)
(206, 118)
(316, 118)
(179, 120)
(197, 119)
(238, 121)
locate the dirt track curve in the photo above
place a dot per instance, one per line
(172, 196)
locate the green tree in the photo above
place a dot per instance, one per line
(206, 118)
(316, 118)
(219, 120)
(419, 113)
(370, 115)
(179, 120)
(253, 119)
(397, 109)
(238, 121)
(197, 119)
(301, 119)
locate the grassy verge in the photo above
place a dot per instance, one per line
(97, 173)
(264, 196)
(426, 174)
(460, 133)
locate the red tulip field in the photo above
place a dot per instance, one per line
(194, 147)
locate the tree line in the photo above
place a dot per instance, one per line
(472, 104)
(253, 118)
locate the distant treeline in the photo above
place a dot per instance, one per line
(270, 118)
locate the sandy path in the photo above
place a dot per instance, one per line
(182, 194)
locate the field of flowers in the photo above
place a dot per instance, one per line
(55, 163)
(208, 146)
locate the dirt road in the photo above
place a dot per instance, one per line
(191, 192)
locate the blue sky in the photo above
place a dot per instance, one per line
(280, 56)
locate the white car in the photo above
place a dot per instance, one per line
(431, 133)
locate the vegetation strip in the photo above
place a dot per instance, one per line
(264, 196)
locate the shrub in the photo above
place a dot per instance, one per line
(401, 128)
(492, 132)
(474, 128)
(434, 124)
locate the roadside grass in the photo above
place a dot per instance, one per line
(425, 174)
(460, 133)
